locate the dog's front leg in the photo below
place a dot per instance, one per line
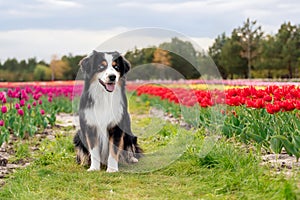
(115, 148)
(95, 159)
(93, 144)
(112, 164)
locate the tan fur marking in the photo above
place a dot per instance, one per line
(94, 78)
(89, 142)
(120, 147)
(83, 158)
(104, 63)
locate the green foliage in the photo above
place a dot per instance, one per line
(226, 172)
(231, 59)
(42, 73)
(73, 62)
(271, 56)
(215, 53)
(32, 70)
(270, 131)
(249, 36)
(32, 120)
(169, 60)
(183, 57)
(22, 151)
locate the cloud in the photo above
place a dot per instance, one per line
(60, 3)
(43, 44)
(206, 6)
(45, 27)
(36, 8)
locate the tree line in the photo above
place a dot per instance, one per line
(247, 53)
(64, 68)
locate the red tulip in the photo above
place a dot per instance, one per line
(273, 108)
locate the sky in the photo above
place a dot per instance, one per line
(43, 28)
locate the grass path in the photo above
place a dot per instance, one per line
(227, 172)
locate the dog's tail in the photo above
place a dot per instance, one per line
(132, 151)
(82, 154)
(138, 151)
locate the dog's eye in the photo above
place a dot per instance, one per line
(101, 67)
(116, 67)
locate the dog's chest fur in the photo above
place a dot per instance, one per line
(107, 110)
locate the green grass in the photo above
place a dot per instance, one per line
(228, 171)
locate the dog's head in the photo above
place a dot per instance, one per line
(105, 67)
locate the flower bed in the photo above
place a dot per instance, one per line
(268, 116)
(27, 109)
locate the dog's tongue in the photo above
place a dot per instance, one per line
(110, 87)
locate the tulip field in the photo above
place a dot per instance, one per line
(266, 115)
(29, 108)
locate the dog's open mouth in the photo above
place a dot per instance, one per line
(110, 86)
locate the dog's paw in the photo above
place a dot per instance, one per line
(92, 169)
(133, 160)
(111, 170)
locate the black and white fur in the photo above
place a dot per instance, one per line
(105, 134)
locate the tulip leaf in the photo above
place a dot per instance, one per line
(296, 141)
(255, 137)
(276, 145)
(289, 147)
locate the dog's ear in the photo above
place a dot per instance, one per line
(127, 65)
(83, 63)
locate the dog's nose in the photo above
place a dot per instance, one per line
(112, 77)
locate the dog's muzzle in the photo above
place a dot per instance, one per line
(110, 85)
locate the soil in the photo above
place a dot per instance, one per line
(279, 162)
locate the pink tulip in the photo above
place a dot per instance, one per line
(17, 106)
(9, 93)
(4, 109)
(34, 103)
(42, 112)
(28, 106)
(1, 122)
(22, 102)
(20, 112)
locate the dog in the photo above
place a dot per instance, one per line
(105, 135)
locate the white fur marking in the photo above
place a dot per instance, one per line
(133, 160)
(95, 159)
(112, 164)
